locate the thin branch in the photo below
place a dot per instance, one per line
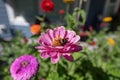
(80, 6)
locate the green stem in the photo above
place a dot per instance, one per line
(70, 65)
(56, 67)
(104, 46)
(67, 8)
(80, 5)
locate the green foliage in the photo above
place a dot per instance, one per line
(73, 22)
(99, 64)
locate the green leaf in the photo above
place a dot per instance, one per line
(40, 18)
(115, 73)
(53, 76)
(78, 55)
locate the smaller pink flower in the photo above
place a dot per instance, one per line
(103, 24)
(24, 67)
(58, 42)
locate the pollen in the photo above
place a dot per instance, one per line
(24, 63)
(58, 41)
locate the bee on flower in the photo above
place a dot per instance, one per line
(57, 43)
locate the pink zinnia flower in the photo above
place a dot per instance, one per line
(24, 67)
(103, 24)
(58, 42)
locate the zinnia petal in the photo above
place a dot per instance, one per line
(45, 39)
(50, 33)
(52, 54)
(62, 32)
(70, 34)
(72, 48)
(55, 58)
(44, 55)
(68, 57)
(75, 39)
(56, 33)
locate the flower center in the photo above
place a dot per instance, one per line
(47, 4)
(58, 41)
(24, 63)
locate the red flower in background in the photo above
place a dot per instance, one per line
(83, 33)
(82, 28)
(93, 43)
(91, 29)
(61, 11)
(47, 5)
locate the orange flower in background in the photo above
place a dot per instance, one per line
(111, 41)
(47, 5)
(35, 29)
(68, 1)
(107, 19)
(61, 11)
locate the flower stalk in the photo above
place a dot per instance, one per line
(80, 6)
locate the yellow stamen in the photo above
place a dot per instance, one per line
(56, 41)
